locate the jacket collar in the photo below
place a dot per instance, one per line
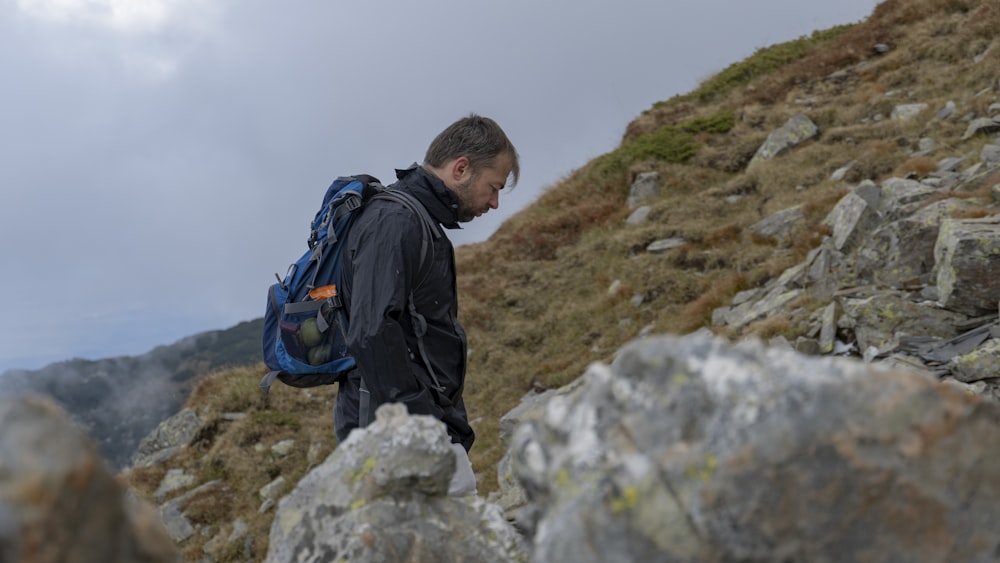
(431, 192)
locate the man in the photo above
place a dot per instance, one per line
(463, 172)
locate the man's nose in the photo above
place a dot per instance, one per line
(495, 200)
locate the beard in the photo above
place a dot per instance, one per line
(465, 211)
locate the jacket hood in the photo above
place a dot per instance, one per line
(440, 202)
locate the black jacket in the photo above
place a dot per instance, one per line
(380, 266)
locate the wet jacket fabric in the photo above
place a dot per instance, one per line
(380, 267)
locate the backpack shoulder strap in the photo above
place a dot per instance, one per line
(430, 232)
(430, 229)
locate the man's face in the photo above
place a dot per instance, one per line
(481, 191)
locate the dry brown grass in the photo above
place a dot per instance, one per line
(919, 166)
(775, 325)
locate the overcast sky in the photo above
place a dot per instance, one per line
(160, 159)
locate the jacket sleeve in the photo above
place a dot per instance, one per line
(384, 251)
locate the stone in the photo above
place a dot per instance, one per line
(878, 320)
(778, 225)
(174, 479)
(841, 172)
(664, 245)
(639, 216)
(772, 302)
(283, 448)
(925, 145)
(172, 514)
(646, 186)
(981, 126)
(902, 251)
(796, 131)
(694, 449)
(173, 433)
(900, 197)
(511, 496)
(978, 365)
(907, 112)
(870, 192)
(828, 329)
(945, 112)
(60, 501)
(990, 154)
(273, 489)
(967, 262)
(382, 496)
(851, 220)
(949, 164)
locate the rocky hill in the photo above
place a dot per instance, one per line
(834, 196)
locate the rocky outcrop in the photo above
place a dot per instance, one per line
(691, 449)
(382, 495)
(967, 258)
(60, 501)
(168, 437)
(904, 272)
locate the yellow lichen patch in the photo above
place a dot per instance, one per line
(562, 478)
(704, 471)
(628, 500)
(365, 469)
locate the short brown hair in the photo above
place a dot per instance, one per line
(477, 138)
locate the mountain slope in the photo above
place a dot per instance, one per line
(120, 400)
(567, 281)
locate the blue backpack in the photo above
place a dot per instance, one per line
(305, 325)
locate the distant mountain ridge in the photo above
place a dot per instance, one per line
(119, 400)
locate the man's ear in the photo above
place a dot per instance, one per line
(460, 169)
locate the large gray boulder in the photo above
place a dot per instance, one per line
(382, 495)
(967, 258)
(692, 449)
(902, 251)
(878, 320)
(60, 502)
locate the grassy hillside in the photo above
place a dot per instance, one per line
(566, 282)
(535, 297)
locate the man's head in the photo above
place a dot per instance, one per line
(474, 158)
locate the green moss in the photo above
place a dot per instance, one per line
(762, 62)
(716, 123)
(667, 144)
(275, 418)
